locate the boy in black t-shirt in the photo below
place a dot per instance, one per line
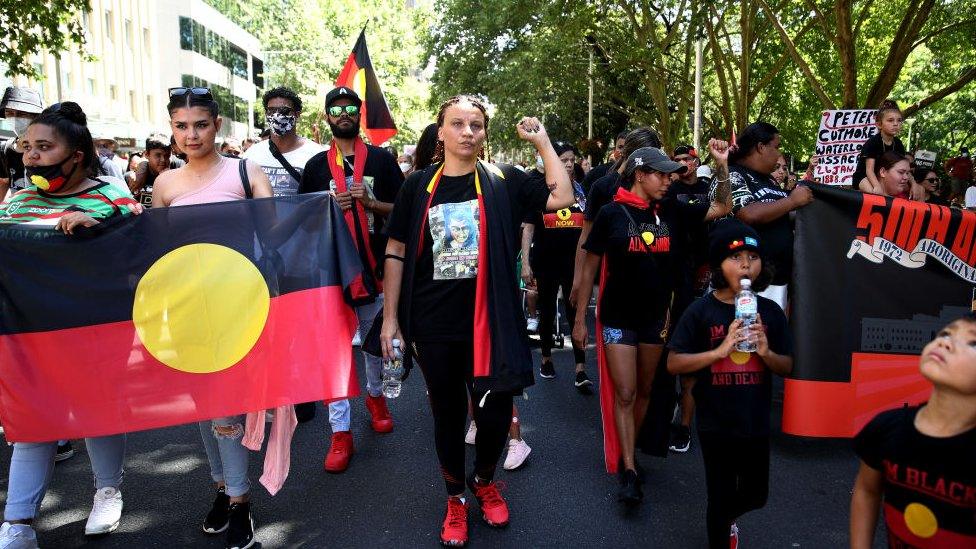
(920, 462)
(889, 120)
(733, 389)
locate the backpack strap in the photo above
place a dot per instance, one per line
(245, 180)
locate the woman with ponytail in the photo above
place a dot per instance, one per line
(457, 308)
(68, 196)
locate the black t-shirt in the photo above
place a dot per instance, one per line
(733, 395)
(381, 175)
(601, 194)
(693, 276)
(929, 482)
(443, 308)
(937, 200)
(874, 147)
(776, 237)
(594, 174)
(642, 248)
(556, 236)
(12, 167)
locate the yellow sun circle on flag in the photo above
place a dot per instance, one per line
(739, 357)
(564, 214)
(201, 308)
(921, 520)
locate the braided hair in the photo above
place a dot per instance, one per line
(458, 99)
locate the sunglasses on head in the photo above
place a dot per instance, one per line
(336, 111)
(199, 92)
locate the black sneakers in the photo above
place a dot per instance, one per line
(583, 383)
(218, 517)
(240, 530)
(630, 492)
(64, 452)
(547, 370)
(680, 439)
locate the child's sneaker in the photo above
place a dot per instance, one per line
(518, 452)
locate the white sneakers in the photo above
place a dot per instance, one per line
(17, 536)
(532, 324)
(106, 512)
(518, 452)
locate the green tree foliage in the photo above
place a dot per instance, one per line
(778, 60)
(32, 27)
(306, 44)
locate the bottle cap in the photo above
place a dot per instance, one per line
(745, 283)
(396, 343)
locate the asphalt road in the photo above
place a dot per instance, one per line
(393, 496)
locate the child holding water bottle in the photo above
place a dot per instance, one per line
(733, 389)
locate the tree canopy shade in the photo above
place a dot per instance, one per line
(31, 27)
(778, 60)
(307, 42)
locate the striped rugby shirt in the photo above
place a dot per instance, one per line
(36, 207)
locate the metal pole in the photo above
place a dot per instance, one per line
(589, 120)
(698, 86)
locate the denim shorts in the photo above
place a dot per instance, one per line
(654, 334)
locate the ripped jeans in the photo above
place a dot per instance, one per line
(226, 454)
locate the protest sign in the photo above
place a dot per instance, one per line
(839, 141)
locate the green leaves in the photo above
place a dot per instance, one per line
(37, 26)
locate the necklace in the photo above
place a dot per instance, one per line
(206, 175)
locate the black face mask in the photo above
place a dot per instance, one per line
(337, 131)
(49, 178)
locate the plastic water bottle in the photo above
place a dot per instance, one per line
(393, 372)
(746, 309)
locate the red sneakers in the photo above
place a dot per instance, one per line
(493, 507)
(455, 530)
(382, 422)
(340, 452)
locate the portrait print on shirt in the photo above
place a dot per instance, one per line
(454, 231)
(369, 183)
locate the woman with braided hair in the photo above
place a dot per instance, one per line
(458, 308)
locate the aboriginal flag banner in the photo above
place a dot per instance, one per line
(358, 74)
(875, 279)
(178, 315)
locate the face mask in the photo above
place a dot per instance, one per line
(20, 124)
(105, 152)
(405, 167)
(49, 178)
(280, 123)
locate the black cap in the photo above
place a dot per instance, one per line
(563, 146)
(22, 99)
(651, 159)
(685, 149)
(342, 92)
(727, 237)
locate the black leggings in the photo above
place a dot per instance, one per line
(548, 286)
(737, 480)
(448, 370)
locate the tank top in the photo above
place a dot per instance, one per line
(225, 186)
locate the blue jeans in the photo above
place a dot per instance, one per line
(226, 454)
(32, 463)
(340, 416)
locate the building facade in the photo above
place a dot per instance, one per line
(140, 49)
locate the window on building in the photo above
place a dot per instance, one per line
(40, 84)
(109, 28)
(85, 20)
(149, 107)
(257, 72)
(195, 37)
(113, 92)
(186, 33)
(133, 106)
(128, 33)
(91, 86)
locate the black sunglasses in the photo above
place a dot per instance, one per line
(933, 180)
(199, 92)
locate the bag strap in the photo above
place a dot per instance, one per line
(276, 153)
(636, 226)
(245, 180)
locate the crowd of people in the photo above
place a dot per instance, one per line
(455, 250)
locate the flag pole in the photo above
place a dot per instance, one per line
(698, 86)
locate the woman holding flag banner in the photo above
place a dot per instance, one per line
(459, 308)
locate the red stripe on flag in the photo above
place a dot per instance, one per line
(101, 380)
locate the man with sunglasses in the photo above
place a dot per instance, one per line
(284, 155)
(365, 180)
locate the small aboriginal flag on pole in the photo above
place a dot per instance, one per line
(179, 315)
(376, 120)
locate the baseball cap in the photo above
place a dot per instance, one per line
(342, 92)
(729, 236)
(563, 146)
(685, 149)
(651, 159)
(22, 99)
